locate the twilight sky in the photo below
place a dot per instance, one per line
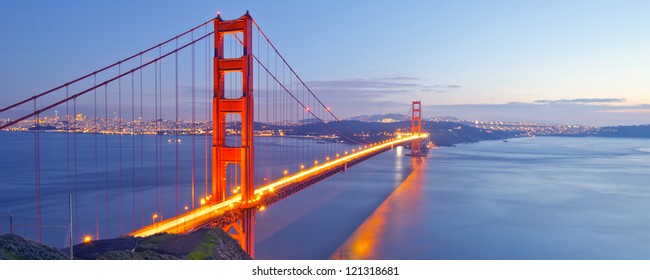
(571, 62)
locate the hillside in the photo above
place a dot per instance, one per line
(441, 133)
(203, 244)
(14, 247)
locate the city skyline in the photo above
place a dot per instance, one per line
(114, 125)
(570, 63)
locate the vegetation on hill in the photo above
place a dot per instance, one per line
(14, 247)
(202, 244)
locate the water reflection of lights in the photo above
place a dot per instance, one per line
(398, 163)
(399, 151)
(374, 231)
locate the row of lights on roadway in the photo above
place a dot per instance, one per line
(203, 201)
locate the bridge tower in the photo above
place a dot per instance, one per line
(416, 128)
(222, 155)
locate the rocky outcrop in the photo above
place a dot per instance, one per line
(202, 244)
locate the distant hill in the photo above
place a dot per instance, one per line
(451, 133)
(442, 133)
(631, 131)
(378, 118)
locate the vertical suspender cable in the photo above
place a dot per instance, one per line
(266, 120)
(76, 191)
(207, 114)
(70, 225)
(67, 150)
(275, 115)
(193, 132)
(160, 173)
(141, 149)
(305, 142)
(294, 119)
(258, 91)
(156, 118)
(96, 129)
(106, 130)
(176, 123)
(133, 148)
(37, 169)
(283, 148)
(119, 135)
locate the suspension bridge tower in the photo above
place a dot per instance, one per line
(416, 129)
(242, 229)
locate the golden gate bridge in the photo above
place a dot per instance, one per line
(223, 87)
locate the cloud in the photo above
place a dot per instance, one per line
(375, 95)
(378, 89)
(402, 78)
(582, 101)
(626, 111)
(593, 114)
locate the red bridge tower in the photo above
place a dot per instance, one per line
(222, 154)
(416, 129)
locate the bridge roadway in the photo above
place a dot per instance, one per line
(228, 211)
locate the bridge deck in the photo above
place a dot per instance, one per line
(224, 213)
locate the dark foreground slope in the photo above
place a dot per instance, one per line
(14, 247)
(203, 244)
